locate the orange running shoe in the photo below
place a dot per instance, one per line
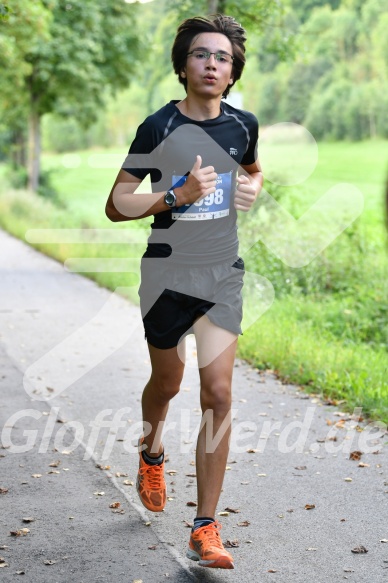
(206, 547)
(150, 484)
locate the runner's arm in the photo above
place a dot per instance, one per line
(124, 204)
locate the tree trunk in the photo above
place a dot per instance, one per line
(212, 6)
(34, 151)
(216, 6)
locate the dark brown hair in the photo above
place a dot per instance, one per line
(192, 27)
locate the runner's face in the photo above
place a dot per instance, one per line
(208, 77)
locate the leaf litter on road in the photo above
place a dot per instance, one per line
(360, 550)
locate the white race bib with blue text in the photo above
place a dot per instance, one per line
(213, 206)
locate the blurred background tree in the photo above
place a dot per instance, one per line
(87, 72)
(64, 57)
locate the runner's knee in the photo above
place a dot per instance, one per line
(217, 397)
(165, 387)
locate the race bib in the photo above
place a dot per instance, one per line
(213, 206)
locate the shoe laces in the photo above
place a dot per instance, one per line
(211, 532)
(153, 475)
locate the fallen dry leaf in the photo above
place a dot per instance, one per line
(20, 532)
(359, 550)
(28, 519)
(363, 465)
(272, 571)
(115, 505)
(355, 455)
(55, 464)
(188, 524)
(152, 548)
(3, 490)
(171, 472)
(54, 472)
(309, 506)
(191, 475)
(349, 570)
(20, 572)
(121, 475)
(252, 450)
(102, 467)
(233, 510)
(191, 504)
(244, 523)
(223, 513)
(384, 540)
(348, 479)
(36, 475)
(230, 544)
(49, 562)
(300, 467)
(128, 483)
(99, 493)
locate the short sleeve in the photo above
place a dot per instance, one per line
(144, 143)
(250, 155)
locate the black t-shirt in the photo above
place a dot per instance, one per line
(205, 232)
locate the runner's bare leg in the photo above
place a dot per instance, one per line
(163, 385)
(216, 397)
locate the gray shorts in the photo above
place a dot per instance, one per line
(172, 297)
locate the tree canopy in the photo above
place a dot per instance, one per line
(65, 57)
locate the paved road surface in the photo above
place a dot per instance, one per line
(73, 363)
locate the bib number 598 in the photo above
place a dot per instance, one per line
(216, 197)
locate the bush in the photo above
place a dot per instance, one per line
(16, 176)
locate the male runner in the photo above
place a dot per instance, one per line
(191, 274)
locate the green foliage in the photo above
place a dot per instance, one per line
(4, 12)
(337, 85)
(16, 176)
(303, 8)
(47, 189)
(64, 57)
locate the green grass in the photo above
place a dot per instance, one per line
(327, 329)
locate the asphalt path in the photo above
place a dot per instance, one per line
(73, 363)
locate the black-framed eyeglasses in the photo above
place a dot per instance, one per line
(202, 55)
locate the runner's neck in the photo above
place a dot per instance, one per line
(198, 110)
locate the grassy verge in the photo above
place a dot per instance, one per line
(327, 329)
